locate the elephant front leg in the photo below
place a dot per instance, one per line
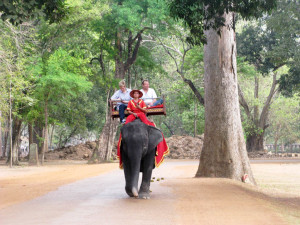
(131, 171)
(128, 187)
(147, 167)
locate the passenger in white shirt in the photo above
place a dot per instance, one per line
(123, 94)
(149, 95)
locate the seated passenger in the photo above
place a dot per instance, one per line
(124, 97)
(149, 95)
(137, 108)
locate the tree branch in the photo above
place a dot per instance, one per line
(244, 103)
(98, 59)
(180, 70)
(139, 33)
(265, 111)
(131, 60)
(194, 89)
(171, 131)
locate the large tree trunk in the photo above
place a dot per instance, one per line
(224, 152)
(255, 142)
(105, 143)
(37, 135)
(16, 130)
(119, 65)
(30, 133)
(107, 138)
(51, 137)
(6, 138)
(45, 145)
(110, 144)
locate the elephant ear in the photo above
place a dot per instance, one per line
(155, 137)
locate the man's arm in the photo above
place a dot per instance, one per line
(141, 108)
(115, 96)
(129, 110)
(128, 98)
(132, 113)
(154, 96)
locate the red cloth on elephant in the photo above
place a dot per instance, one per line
(157, 106)
(162, 148)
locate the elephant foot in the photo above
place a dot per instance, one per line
(135, 192)
(144, 195)
(132, 192)
(129, 192)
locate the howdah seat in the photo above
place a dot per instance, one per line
(155, 110)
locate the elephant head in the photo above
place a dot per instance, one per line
(138, 146)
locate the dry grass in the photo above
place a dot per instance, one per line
(279, 178)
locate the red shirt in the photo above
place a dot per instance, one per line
(133, 108)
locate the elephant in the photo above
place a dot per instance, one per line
(138, 147)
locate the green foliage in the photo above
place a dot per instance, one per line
(135, 15)
(64, 75)
(244, 68)
(62, 82)
(205, 14)
(16, 44)
(254, 43)
(287, 16)
(18, 11)
(274, 42)
(290, 83)
(249, 128)
(284, 120)
(52, 62)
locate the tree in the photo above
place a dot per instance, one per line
(268, 47)
(120, 38)
(253, 43)
(285, 22)
(14, 44)
(17, 12)
(224, 152)
(284, 121)
(178, 49)
(62, 77)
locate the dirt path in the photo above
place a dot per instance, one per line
(177, 199)
(224, 201)
(20, 184)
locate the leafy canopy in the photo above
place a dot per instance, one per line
(17, 11)
(64, 75)
(202, 15)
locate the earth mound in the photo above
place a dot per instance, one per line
(185, 147)
(181, 147)
(76, 152)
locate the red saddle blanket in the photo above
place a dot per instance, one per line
(162, 150)
(157, 106)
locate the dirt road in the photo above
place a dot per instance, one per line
(177, 199)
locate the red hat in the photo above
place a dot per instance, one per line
(135, 90)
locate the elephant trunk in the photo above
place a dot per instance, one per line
(135, 178)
